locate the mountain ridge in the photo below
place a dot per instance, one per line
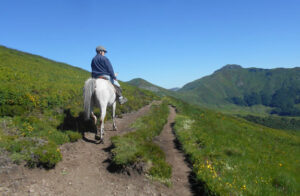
(274, 90)
(247, 87)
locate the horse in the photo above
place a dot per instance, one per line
(101, 93)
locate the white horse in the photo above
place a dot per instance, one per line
(100, 93)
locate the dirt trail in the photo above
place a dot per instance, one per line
(180, 170)
(84, 169)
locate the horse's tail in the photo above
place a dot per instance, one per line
(88, 90)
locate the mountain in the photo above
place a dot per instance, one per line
(278, 89)
(174, 89)
(143, 84)
(240, 90)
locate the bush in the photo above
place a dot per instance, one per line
(275, 122)
(125, 150)
(17, 157)
(46, 156)
(73, 136)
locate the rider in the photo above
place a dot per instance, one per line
(101, 67)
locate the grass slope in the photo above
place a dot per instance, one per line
(41, 104)
(231, 156)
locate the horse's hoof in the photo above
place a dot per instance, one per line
(101, 141)
(97, 137)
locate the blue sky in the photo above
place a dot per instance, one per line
(167, 42)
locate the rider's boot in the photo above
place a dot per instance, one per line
(120, 97)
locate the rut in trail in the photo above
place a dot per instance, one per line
(83, 170)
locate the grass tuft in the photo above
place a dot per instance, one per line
(73, 136)
(137, 146)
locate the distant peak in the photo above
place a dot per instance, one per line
(229, 67)
(137, 79)
(232, 66)
(174, 89)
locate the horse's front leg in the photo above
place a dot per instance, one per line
(114, 117)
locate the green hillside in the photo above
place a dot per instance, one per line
(231, 156)
(41, 105)
(250, 93)
(234, 87)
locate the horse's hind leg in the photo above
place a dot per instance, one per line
(94, 117)
(95, 121)
(99, 136)
(114, 117)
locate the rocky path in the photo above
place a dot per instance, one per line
(84, 169)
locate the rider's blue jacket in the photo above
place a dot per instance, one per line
(102, 66)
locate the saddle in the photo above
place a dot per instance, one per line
(101, 77)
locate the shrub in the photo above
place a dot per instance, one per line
(17, 157)
(73, 136)
(47, 156)
(125, 151)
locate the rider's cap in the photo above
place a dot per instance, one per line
(100, 48)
